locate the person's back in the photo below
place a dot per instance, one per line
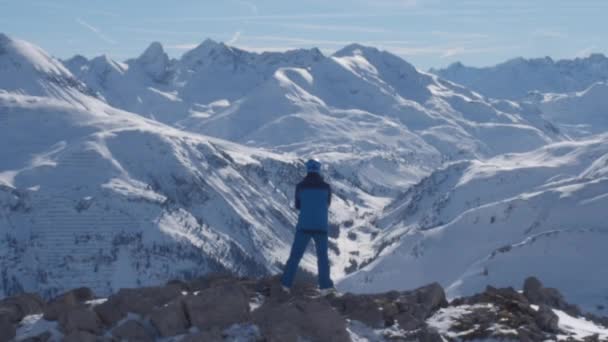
(312, 198)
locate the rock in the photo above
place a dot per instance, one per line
(132, 330)
(219, 306)
(207, 336)
(546, 319)
(19, 306)
(389, 313)
(536, 293)
(211, 280)
(110, 312)
(432, 297)
(427, 334)
(361, 308)
(170, 319)
(66, 301)
(80, 319)
(141, 301)
(80, 336)
(7, 329)
(302, 318)
(44, 337)
(422, 302)
(408, 322)
(533, 289)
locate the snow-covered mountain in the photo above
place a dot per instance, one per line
(120, 174)
(577, 114)
(498, 221)
(93, 195)
(200, 83)
(369, 114)
(515, 78)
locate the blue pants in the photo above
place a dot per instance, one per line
(297, 251)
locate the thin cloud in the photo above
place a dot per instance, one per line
(548, 33)
(250, 5)
(55, 6)
(336, 28)
(269, 17)
(96, 31)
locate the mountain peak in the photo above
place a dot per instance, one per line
(155, 62)
(355, 49)
(154, 51)
(4, 39)
(27, 55)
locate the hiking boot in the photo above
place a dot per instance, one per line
(328, 292)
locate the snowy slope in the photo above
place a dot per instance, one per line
(577, 114)
(372, 113)
(96, 196)
(514, 79)
(105, 199)
(498, 221)
(27, 69)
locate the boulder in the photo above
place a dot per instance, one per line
(16, 307)
(536, 293)
(302, 318)
(132, 330)
(44, 337)
(219, 306)
(427, 334)
(207, 336)
(141, 301)
(422, 302)
(7, 329)
(110, 312)
(64, 302)
(408, 322)
(210, 280)
(80, 319)
(546, 319)
(80, 336)
(362, 308)
(170, 319)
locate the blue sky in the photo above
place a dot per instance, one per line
(427, 33)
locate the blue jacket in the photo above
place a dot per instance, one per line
(313, 197)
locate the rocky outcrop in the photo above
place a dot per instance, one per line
(222, 307)
(508, 314)
(536, 293)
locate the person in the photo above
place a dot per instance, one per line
(312, 199)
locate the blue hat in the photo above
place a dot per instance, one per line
(313, 166)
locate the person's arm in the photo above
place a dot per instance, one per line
(298, 197)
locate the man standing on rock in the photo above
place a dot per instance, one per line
(313, 197)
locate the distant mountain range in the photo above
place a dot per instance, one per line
(518, 77)
(129, 173)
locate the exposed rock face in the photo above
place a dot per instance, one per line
(66, 301)
(7, 329)
(80, 319)
(218, 307)
(170, 319)
(226, 308)
(538, 294)
(17, 307)
(314, 319)
(546, 319)
(132, 330)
